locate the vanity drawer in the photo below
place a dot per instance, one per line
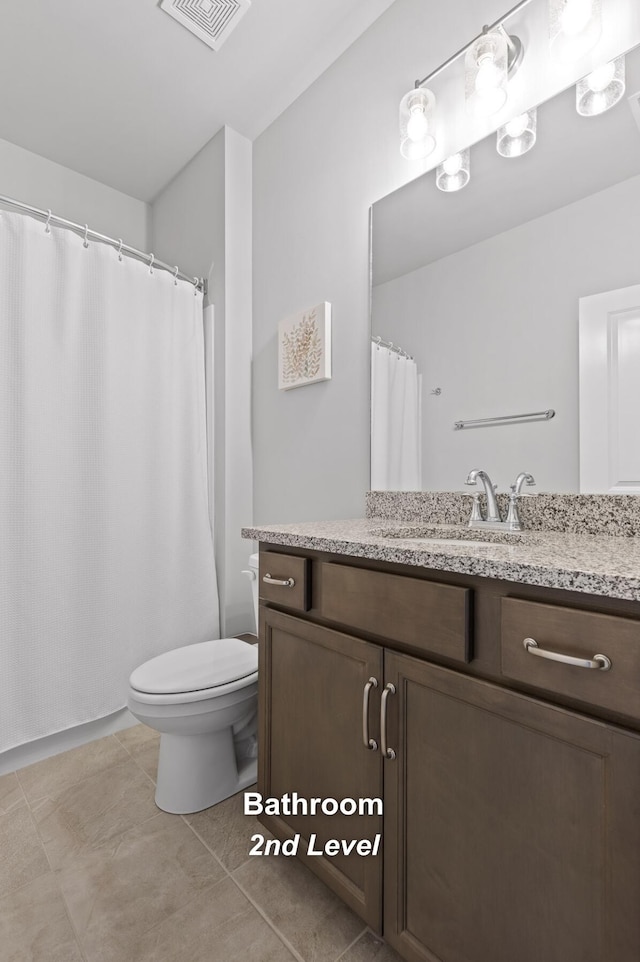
(426, 615)
(284, 579)
(577, 634)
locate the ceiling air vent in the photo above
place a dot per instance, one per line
(210, 20)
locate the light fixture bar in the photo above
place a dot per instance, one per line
(494, 26)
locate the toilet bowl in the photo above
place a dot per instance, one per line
(203, 699)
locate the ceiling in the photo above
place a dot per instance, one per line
(119, 91)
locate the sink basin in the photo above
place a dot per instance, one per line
(459, 536)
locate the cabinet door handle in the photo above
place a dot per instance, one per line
(369, 743)
(600, 662)
(270, 580)
(386, 751)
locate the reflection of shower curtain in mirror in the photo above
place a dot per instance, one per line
(395, 422)
(106, 555)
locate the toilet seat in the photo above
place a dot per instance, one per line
(195, 672)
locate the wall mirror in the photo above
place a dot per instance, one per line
(482, 287)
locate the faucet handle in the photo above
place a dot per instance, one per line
(523, 478)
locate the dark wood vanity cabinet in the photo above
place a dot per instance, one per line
(511, 823)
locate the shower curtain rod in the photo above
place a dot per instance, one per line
(394, 348)
(198, 282)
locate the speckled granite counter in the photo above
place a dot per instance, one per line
(595, 564)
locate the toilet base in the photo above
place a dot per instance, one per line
(197, 771)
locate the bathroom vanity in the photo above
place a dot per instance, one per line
(394, 665)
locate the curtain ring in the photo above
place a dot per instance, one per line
(47, 229)
(119, 248)
(175, 276)
(85, 243)
(151, 260)
(196, 281)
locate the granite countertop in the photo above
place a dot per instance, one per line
(593, 563)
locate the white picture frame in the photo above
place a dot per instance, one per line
(304, 347)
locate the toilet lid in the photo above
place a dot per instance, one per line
(196, 667)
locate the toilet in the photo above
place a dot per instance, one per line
(203, 699)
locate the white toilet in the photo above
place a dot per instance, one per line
(203, 698)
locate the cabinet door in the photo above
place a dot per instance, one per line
(312, 683)
(512, 827)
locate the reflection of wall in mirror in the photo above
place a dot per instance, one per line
(496, 327)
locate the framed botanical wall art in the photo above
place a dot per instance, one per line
(304, 347)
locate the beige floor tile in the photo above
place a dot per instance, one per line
(312, 919)
(34, 925)
(11, 794)
(52, 775)
(143, 744)
(219, 925)
(227, 830)
(22, 857)
(115, 898)
(369, 948)
(94, 814)
(137, 736)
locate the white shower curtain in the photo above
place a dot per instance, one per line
(395, 422)
(106, 554)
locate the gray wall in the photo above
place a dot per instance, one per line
(202, 221)
(39, 182)
(495, 326)
(317, 170)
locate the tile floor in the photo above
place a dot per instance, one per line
(92, 871)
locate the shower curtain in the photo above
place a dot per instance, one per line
(396, 455)
(106, 555)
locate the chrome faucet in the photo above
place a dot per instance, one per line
(493, 520)
(493, 512)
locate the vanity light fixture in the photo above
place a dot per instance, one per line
(454, 173)
(575, 27)
(518, 135)
(490, 60)
(416, 124)
(601, 89)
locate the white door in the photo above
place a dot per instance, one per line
(610, 392)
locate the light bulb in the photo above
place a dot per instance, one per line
(418, 125)
(486, 74)
(416, 118)
(518, 135)
(452, 165)
(575, 16)
(575, 26)
(601, 77)
(601, 89)
(489, 86)
(517, 126)
(453, 173)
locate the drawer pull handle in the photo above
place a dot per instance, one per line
(386, 751)
(270, 580)
(600, 662)
(369, 743)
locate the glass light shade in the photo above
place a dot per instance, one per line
(417, 109)
(601, 89)
(518, 135)
(454, 172)
(575, 27)
(486, 77)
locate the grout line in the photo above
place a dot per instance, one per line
(208, 847)
(54, 876)
(285, 941)
(351, 945)
(248, 897)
